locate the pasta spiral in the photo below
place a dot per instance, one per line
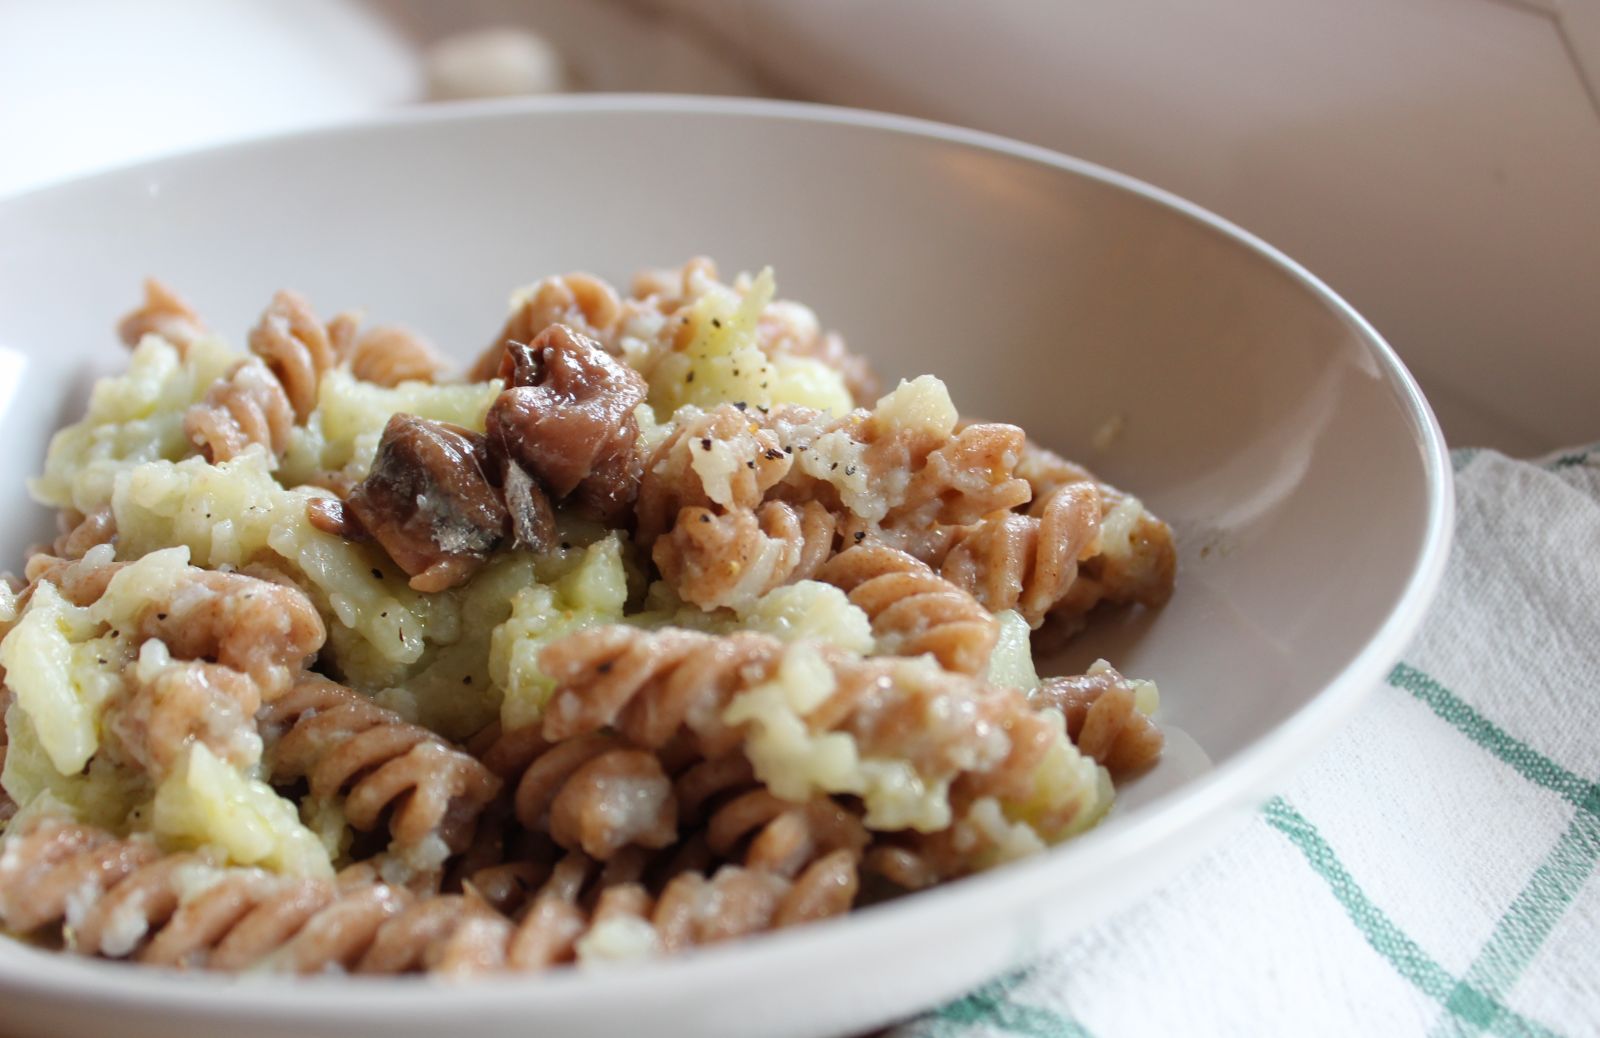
(122, 898)
(346, 746)
(732, 559)
(575, 910)
(649, 686)
(743, 822)
(81, 581)
(914, 610)
(389, 355)
(594, 793)
(212, 646)
(1026, 562)
(670, 290)
(963, 479)
(583, 302)
(294, 345)
(171, 705)
(255, 623)
(248, 406)
(708, 501)
(720, 458)
(77, 533)
(1136, 561)
(1103, 720)
(165, 314)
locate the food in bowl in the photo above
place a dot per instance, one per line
(660, 627)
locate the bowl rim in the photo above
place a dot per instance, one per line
(1244, 779)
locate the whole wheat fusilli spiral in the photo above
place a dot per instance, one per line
(733, 558)
(706, 501)
(77, 533)
(650, 686)
(1026, 562)
(914, 610)
(580, 301)
(293, 343)
(169, 706)
(1136, 561)
(388, 355)
(165, 314)
(574, 909)
(963, 479)
(594, 793)
(124, 898)
(255, 623)
(720, 459)
(378, 766)
(741, 821)
(246, 407)
(1103, 719)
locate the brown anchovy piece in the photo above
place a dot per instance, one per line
(533, 521)
(566, 418)
(429, 502)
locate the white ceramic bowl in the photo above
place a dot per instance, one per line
(1300, 466)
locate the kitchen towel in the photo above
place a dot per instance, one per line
(1432, 871)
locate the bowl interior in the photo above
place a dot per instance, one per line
(1249, 408)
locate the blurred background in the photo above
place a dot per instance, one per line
(1436, 161)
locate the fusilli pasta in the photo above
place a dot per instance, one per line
(388, 355)
(581, 302)
(664, 629)
(913, 609)
(1106, 717)
(163, 314)
(906, 727)
(245, 408)
(375, 766)
(294, 345)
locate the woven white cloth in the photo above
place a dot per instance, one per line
(1433, 870)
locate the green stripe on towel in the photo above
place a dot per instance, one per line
(1405, 955)
(1528, 762)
